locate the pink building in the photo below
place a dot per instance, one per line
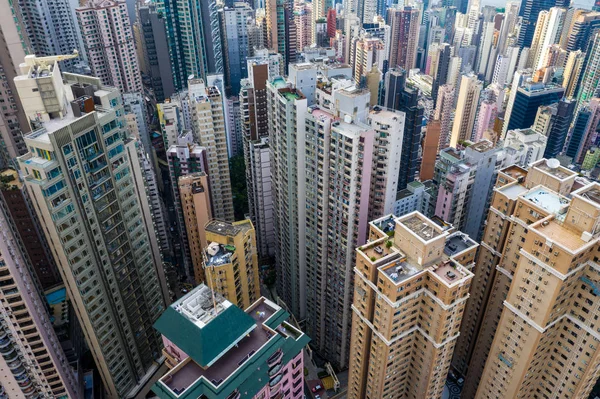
(488, 111)
(108, 41)
(214, 349)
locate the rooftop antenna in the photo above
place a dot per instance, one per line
(212, 291)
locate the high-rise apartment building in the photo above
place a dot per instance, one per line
(405, 98)
(547, 32)
(32, 362)
(319, 216)
(411, 285)
(208, 125)
(13, 47)
(404, 24)
(17, 206)
(522, 109)
(82, 175)
(197, 212)
(287, 111)
(185, 159)
(304, 23)
(231, 266)
(367, 52)
(253, 103)
(152, 45)
(261, 182)
(444, 112)
(51, 28)
(529, 11)
(254, 353)
(236, 46)
(466, 109)
(589, 79)
(194, 38)
(520, 198)
(109, 45)
(546, 340)
(573, 69)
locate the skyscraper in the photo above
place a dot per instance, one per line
(399, 96)
(466, 109)
(236, 47)
(404, 24)
(109, 44)
(560, 124)
(412, 269)
(13, 47)
(79, 174)
(522, 109)
(153, 51)
(51, 28)
(231, 266)
(194, 38)
(208, 125)
(32, 361)
(549, 310)
(530, 9)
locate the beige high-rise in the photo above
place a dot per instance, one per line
(411, 284)
(196, 206)
(466, 109)
(534, 303)
(208, 124)
(232, 261)
(546, 343)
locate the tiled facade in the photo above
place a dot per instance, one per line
(412, 282)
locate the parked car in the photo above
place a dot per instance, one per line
(317, 388)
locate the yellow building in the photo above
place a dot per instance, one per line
(196, 207)
(530, 328)
(232, 261)
(411, 284)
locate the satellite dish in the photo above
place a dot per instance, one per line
(553, 163)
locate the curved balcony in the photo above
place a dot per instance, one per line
(14, 364)
(25, 384)
(4, 342)
(9, 353)
(274, 381)
(275, 358)
(20, 372)
(274, 370)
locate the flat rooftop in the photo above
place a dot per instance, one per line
(423, 228)
(10, 178)
(401, 270)
(198, 306)
(512, 191)
(223, 228)
(592, 194)
(448, 273)
(184, 377)
(482, 146)
(514, 171)
(547, 200)
(385, 224)
(563, 236)
(559, 172)
(457, 243)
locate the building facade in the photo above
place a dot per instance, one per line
(254, 353)
(412, 269)
(79, 173)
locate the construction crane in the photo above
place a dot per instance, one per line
(31, 60)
